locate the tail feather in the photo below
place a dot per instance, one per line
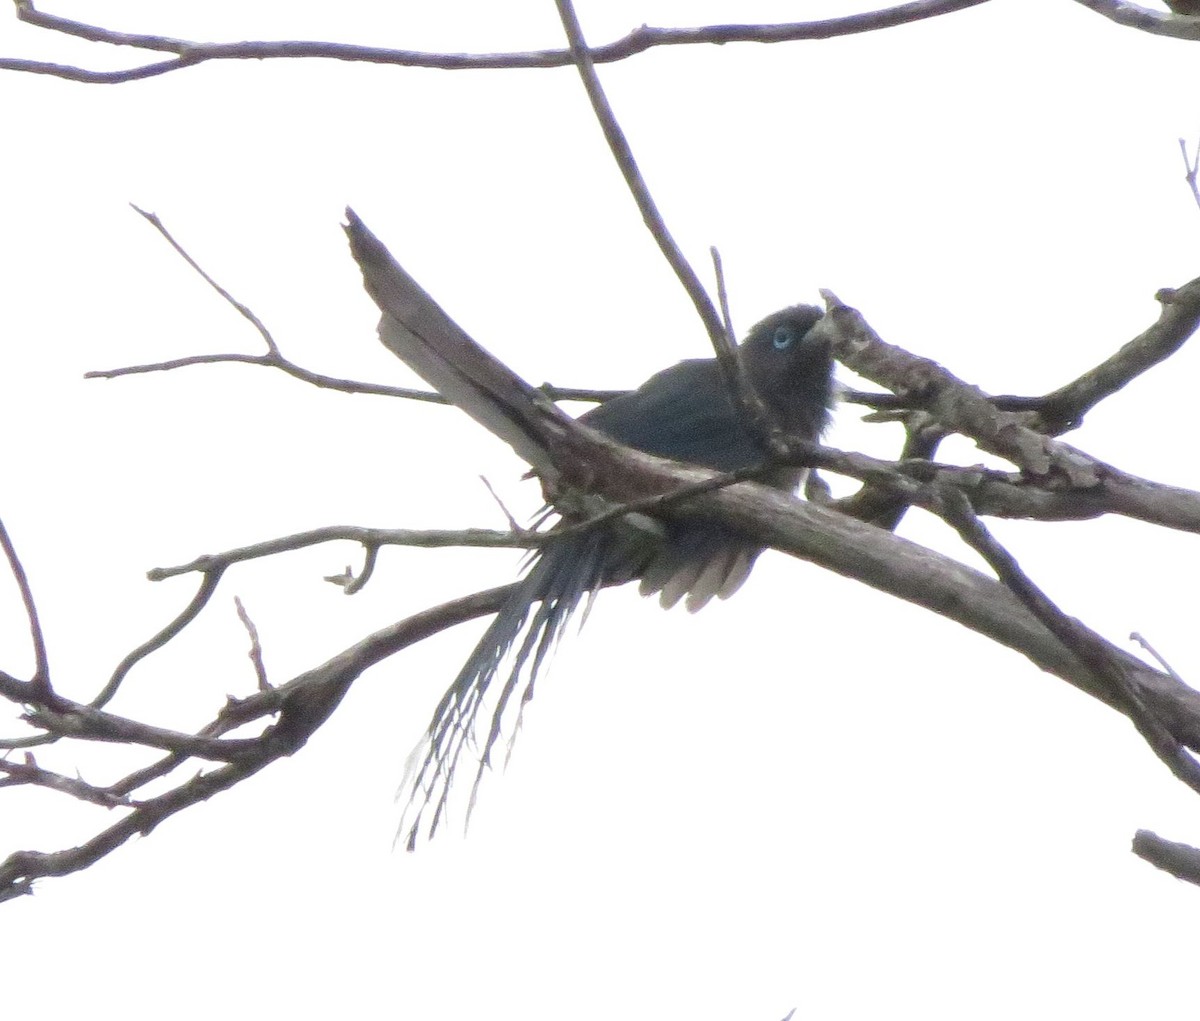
(560, 578)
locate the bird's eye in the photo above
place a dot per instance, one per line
(783, 337)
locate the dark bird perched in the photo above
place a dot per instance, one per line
(684, 413)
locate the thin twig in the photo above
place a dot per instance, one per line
(432, 538)
(208, 585)
(39, 684)
(722, 295)
(29, 773)
(242, 310)
(1135, 637)
(513, 524)
(324, 382)
(255, 653)
(1191, 166)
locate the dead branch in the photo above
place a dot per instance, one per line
(1174, 26)
(189, 53)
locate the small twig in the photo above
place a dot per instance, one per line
(31, 774)
(1191, 166)
(370, 559)
(255, 653)
(431, 538)
(242, 310)
(575, 393)
(39, 684)
(1134, 636)
(208, 585)
(271, 361)
(513, 524)
(722, 295)
(324, 382)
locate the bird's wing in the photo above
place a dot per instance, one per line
(683, 413)
(418, 331)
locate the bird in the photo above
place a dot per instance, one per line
(685, 413)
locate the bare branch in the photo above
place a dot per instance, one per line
(255, 653)
(39, 685)
(1144, 19)
(1065, 407)
(242, 310)
(273, 358)
(208, 585)
(1087, 646)
(19, 871)
(722, 294)
(29, 773)
(956, 405)
(304, 703)
(317, 379)
(1190, 168)
(435, 538)
(1167, 668)
(189, 53)
(1181, 860)
(212, 567)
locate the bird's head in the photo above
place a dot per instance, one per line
(790, 366)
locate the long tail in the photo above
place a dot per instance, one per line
(559, 578)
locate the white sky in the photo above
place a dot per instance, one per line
(811, 796)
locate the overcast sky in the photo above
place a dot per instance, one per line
(811, 796)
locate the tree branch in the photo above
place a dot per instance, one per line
(1144, 19)
(1180, 860)
(189, 53)
(39, 685)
